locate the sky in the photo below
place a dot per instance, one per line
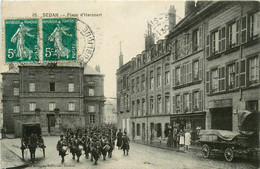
(120, 21)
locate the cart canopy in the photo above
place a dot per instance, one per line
(248, 121)
(29, 128)
(223, 134)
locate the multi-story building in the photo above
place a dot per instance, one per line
(110, 111)
(58, 96)
(201, 74)
(232, 62)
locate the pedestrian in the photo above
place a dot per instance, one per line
(62, 147)
(187, 139)
(170, 139)
(181, 140)
(119, 139)
(175, 138)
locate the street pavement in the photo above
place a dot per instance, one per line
(140, 157)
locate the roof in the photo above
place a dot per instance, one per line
(90, 71)
(13, 70)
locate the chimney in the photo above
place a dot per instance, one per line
(149, 38)
(11, 66)
(121, 62)
(97, 68)
(172, 17)
(189, 6)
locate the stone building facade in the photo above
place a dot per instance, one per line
(56, 96)
(198, 77)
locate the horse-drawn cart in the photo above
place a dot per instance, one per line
(245, 142)
(32, 138)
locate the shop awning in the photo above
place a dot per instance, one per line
(187, 116)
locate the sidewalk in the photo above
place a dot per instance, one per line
(192, 149)
(9, 159)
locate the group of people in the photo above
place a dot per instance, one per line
(179, 138)
(95, 141)
(123, 141)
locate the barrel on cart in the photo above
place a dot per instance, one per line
(244, 142)
(32, 139)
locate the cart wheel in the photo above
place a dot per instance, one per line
(206, 151)
(229, 154)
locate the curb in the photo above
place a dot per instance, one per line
(21, 166)
(193, 149)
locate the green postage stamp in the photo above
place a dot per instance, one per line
(59, 39)
(21, 40)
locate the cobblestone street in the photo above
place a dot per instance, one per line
(140, 156)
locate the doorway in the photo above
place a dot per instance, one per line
(51, 121)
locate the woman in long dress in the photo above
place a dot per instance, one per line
(181, 138)
(59, 49)
(18, 37)
(187, 139)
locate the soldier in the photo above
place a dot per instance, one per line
(125, 143)
(62, 147)
(119, 139)
(73, 146)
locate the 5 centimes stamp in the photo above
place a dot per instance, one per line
(21, 40)
(59, 39)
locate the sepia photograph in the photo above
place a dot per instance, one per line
(130, 84)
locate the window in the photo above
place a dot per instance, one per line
(138, 108)
(222, 39)
(52, 87)
(167, 104)
(232, 38)
(159, 77)
(196, 101)
(133, 86)
(52, 106)
(31, 87)
(151, 105)
(254, 25)
(16, 81)
(253, 70)
(91, 109)
(242, 73)
(71, 87)
(32, 106)
(197, 39)
(31, 76)
(207, 82)
(178, 103)
(137, 84)
(231, 76)
(187, 102)
(214, 43)
(151, 80)
(178, 76)
(143, 107)
(92, 119)
(16, 109)
(138, 131)
(133, 108)
(128, 102)
(143, 83)
(16, 91)
(214, 79)
(159, 104)
(222, 79)
(196, 70)
(244, 29)
(167, 77)
(72, 106)
(187, 44)
(252, 105)
(91, 92)
(207, 46)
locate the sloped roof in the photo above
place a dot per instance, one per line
(13, 70)
(91, 71)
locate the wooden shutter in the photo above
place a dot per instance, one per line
(244, 29)
(237, 31)
(207, 46)
(237, 74)
(181, 74)
(242, 73)
(190, 98)
(173, 105)
(207, 82)
(200, 100)
(200, 37)
(219, 40)
(200, 68)
(173, 77)
(181, 103)
(190, 72)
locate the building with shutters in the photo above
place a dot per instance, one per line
(58, 96)
(232, 57)
(198, 77)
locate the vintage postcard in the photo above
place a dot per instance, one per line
(130, 84)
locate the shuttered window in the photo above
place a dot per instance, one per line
(244, 29)
(222, 79)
